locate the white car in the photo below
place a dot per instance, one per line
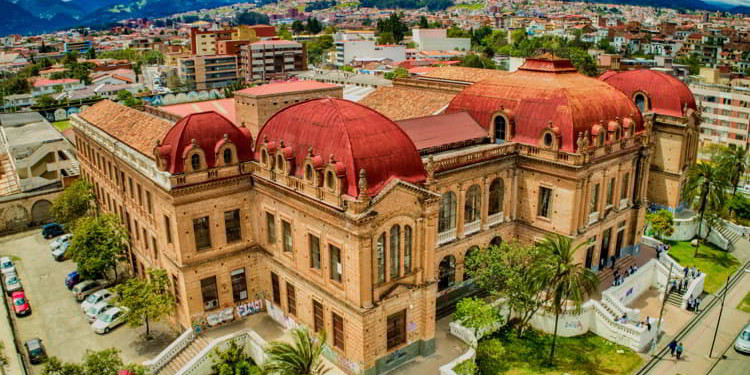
(742, 344)
(59, 241)
(6, 266)
(12, 283)
(94, 311)
(96, 297)
(109, 319)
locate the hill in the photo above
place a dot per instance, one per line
(674, 4)
(742, 9)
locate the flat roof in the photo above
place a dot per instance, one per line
(224, 107)
(285, 87)
(441, 130)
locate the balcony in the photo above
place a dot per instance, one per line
(446, 236)
(495, 219)
(593, 217)
(473, 227)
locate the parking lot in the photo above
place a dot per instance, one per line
(56, 316)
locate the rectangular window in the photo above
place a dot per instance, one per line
(130, 184)
(624, 188)
(168, 228)
(270, 228)
(396, 329)
(176, 287)
(594, 201)
(145, 238)
(153, 246)
(291, 299)
(137, 232)
(610, 191)
(232, 225)
(275, 289)
(140, 195)
(122, 179)
(318, 318)
(338, 331)
(239, 285)
(545, 194)
(202, 233)
(334, 254)
(314, 252)
(286, 232)
(148, 202)
(210, 293)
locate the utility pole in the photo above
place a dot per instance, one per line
(718, 321)
(661, 312)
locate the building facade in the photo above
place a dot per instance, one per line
(266, 60)
(208, 72)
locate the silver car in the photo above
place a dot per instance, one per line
(109, 319)
(96, 297)
(94, 311)
(59, 241)
(6, 266)
(742, 344)
(86, 287)
(12, 283)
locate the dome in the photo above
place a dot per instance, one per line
(210, 132)
(543, 93)
(356, 136)
(666, 95)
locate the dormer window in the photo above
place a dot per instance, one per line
(195, 162)
(641, 102)
(330, 182)
(601, 139)
(308, 173)
(227, 156)
(547, 140)
(279, 163)
(264, 157)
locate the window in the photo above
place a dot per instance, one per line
(624, 188)
(227, 156)
(232, 225)
(202, 233)
(153, 247)
(548, 140)
(308, 173)
(140, 196)
(472, 205)
(396, 329)
(210, 293)
(610, 191)
(279, 163)
(286, 232)
(500, 129)
(497, 195)
(446, 272)
(318, 318)
(545, 194)
(168, 228)
(239, 285)
(338, 331)
(594, 202)
(447, 219)
(407, 250)
(130, 184)
(270, 228)
(291, 299)
(329, 180)
(148, 202)
(195, 162)
(314, 251)
(334, 255)
(380, 258)
(640, 102)
(176, 286)
(275, 289)
(122, 179)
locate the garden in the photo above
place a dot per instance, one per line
(717, 264)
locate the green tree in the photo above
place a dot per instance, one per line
(148, 300)
(705, 190)
(386, 37)
(284, 32)
(251, 18)
(74, 203)
(734, 161)
(393, 25)
(106, 361)
(399, 72)
(313, 26)
(423, 24)
(127, 98)
(298, 27)
(565, 279)
(477, 314)
(302, 357)
(137, 70)
(70, 58)
(661, 223)
(477, 61)
(98, 245)
(54, 366)
(45, 101)
(91, 53)
(233, 361)
(739, 205)
(367, 21)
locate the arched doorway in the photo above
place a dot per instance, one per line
(40, 211)
(496, 241)
(447, 272)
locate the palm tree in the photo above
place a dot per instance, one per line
(300, 358)
(734, 161)
(566, 278)
(705, 189)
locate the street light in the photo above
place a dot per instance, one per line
(718, 321)
(661, 312)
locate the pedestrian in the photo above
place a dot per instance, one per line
(685, 270)
(679, 350)
(613, 259)
(648, 324)
(672, 347)
(697, 303)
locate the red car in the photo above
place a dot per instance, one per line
(20, 304)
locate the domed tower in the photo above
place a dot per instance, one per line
(672, 117)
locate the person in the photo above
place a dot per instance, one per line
(679, 350)
(672, 347)
(674, 286)
(658, 253)
(613, 259)
(697, 303)
(690, 303)
(685, 270)
(648, 323)
(635, 268)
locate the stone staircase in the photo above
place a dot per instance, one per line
(607, 274)
(675, 298)
(730, 235)
(184, 356)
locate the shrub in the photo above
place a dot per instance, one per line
(467, 367)
(490, 357)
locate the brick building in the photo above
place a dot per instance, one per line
(266, 60)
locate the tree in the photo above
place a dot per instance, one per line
(661, 223)
(423, 24)
(399, 72)
(233, 361)
(393, 25)
(251, 18)
(313, 26)
(106, 361)
(98, 245)
(45, 101)
(476, 61)
(147, 299)
(91, 53)
(705, 189)
(70, 58)
(734, 161)
(477, 314)
(137, 69)
(284, 32)
(564, 279)
(73, 203)
(128, 99)
(367, 21)
(300, 357)
(298, 27)
(386, 37)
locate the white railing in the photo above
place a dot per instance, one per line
(495, 218)
(471, 228)
(447, 369)
(695, 288)
(171, 351)
(201, 363)
(447, 236)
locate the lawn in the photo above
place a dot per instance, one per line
(745, 303)
(61, 125)
(587, 354)
(716, 263)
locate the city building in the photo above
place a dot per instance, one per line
(208, 71)
(347, 51)
(346, 221)
(266, 60)
(80, 46)
(53, 86)
(437, 40)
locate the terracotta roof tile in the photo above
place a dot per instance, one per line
(460, 73)
(400, 103)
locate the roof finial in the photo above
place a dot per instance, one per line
(265, 139)
(194, 142)
(362, 182)
(332, 159)
(281, 143)
(226, 136)
(309, 151)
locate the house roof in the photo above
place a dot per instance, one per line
(50, 82)
(440, 130)
(285, 87)
(667, 95)
(224, 107)
(399, 103)
(460, 73)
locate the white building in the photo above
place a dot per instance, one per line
(437, 40)
(364, 50)
(53, 86)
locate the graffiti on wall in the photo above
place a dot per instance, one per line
(341, 361)
(250, 308)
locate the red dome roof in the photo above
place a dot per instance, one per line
(668, 95)
(209, 130)
(357, 136)
(546, 92)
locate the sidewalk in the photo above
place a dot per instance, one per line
(698, 342)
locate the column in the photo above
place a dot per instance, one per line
(460, 201)
(485, 201)
(514, 196)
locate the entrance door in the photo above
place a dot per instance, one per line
(618, 243)
(604, 253)
(589, 256)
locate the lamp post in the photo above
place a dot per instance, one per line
(661, 312)
(718, 321)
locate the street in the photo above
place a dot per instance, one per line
(734, 364)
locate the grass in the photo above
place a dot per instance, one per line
(61, 125)
(586, 354)
(716, 263)
(470, 6)
(745, 303)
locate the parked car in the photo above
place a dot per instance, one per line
(20, 304)
(96, 297)
(94, 311)
(742, 344)
(6, 266)
(35, 351)
(12, 283)
(61, 252)
(72, 279)
(59, 241)
(109, 319)
(52, 230)
(86, 287)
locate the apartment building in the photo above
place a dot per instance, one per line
(266, 60)
(80, 47)
(348, 51)
(208, 72)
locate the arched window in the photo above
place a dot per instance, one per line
(329, 180)
(640, 102)
(308, 173)
(407, 250)
(195, 162)
(500, 129)
(473, 204)
(617, 134)
(227, 156)
(264, 157)
(279, 163)
(447, 272)
(601, 138)
(469, 253)
(548, 140)
(395, 251)
(447, 220)
(496, 241)
(497, 195)
(380, 259)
